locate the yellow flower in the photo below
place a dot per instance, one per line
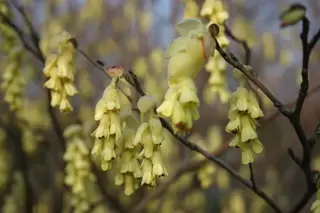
(247, 130)
(257, 147)
(129, 184)
(147, 173)
(111, 96)
(142, 130)
(247, 156)
(254, 110)
(156, 131)
(315, 208)
(188, 52)
(158, 168)
(146, 103)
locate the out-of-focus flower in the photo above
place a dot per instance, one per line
(217, 86)
(59, 69)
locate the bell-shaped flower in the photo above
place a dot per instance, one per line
(128, 184)
(147, 173)
(257, 146)
(141, 132)
(156, 131)
(146, 104)
(108, 150)
(148, 145)
(166, 108)
(242, 103)
(247, 130)
(247, 155)
(187, 53)
(158, 168)
(111, 96)
(254, 110)
(234, 124)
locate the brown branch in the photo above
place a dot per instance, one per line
(243, 42)
(21, 35)
(307, 145)
(247, 71)
(225, 166)
(34, 36)
(216, 160)
(186, 166)
(252, 178)
(275, 113)
(294, 116)
(55, 123)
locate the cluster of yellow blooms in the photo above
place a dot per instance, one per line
(109, 131)
(78, 167)
(60, 72)
(243, 113)
(187, 55)
(120, 139)
(13, 80)
(149, 136)
(215, 12)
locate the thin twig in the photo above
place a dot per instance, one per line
(216, 160)
(305, 65)
(305, 163)
(275, 113)
(253, 181)
(314, 40)
(186, 166)
(226, 167)
(34, 36)
(56, 126)
(20, 34)
(303, 201)
(247, 59)
(247, 71)
(102, 69)
(243, 42)
(193, 165)
(315, 137)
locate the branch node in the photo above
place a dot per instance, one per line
(294, 157)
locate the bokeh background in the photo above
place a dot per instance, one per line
(134, 34)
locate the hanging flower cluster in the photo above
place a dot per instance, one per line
(215, 12)
(59, 69)
(109, 131)
(186, 55)
(129, 170)
(149, 136)
(243, 113)
(121, 143)
(78, 167)
(114, 136)
(13, 81)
